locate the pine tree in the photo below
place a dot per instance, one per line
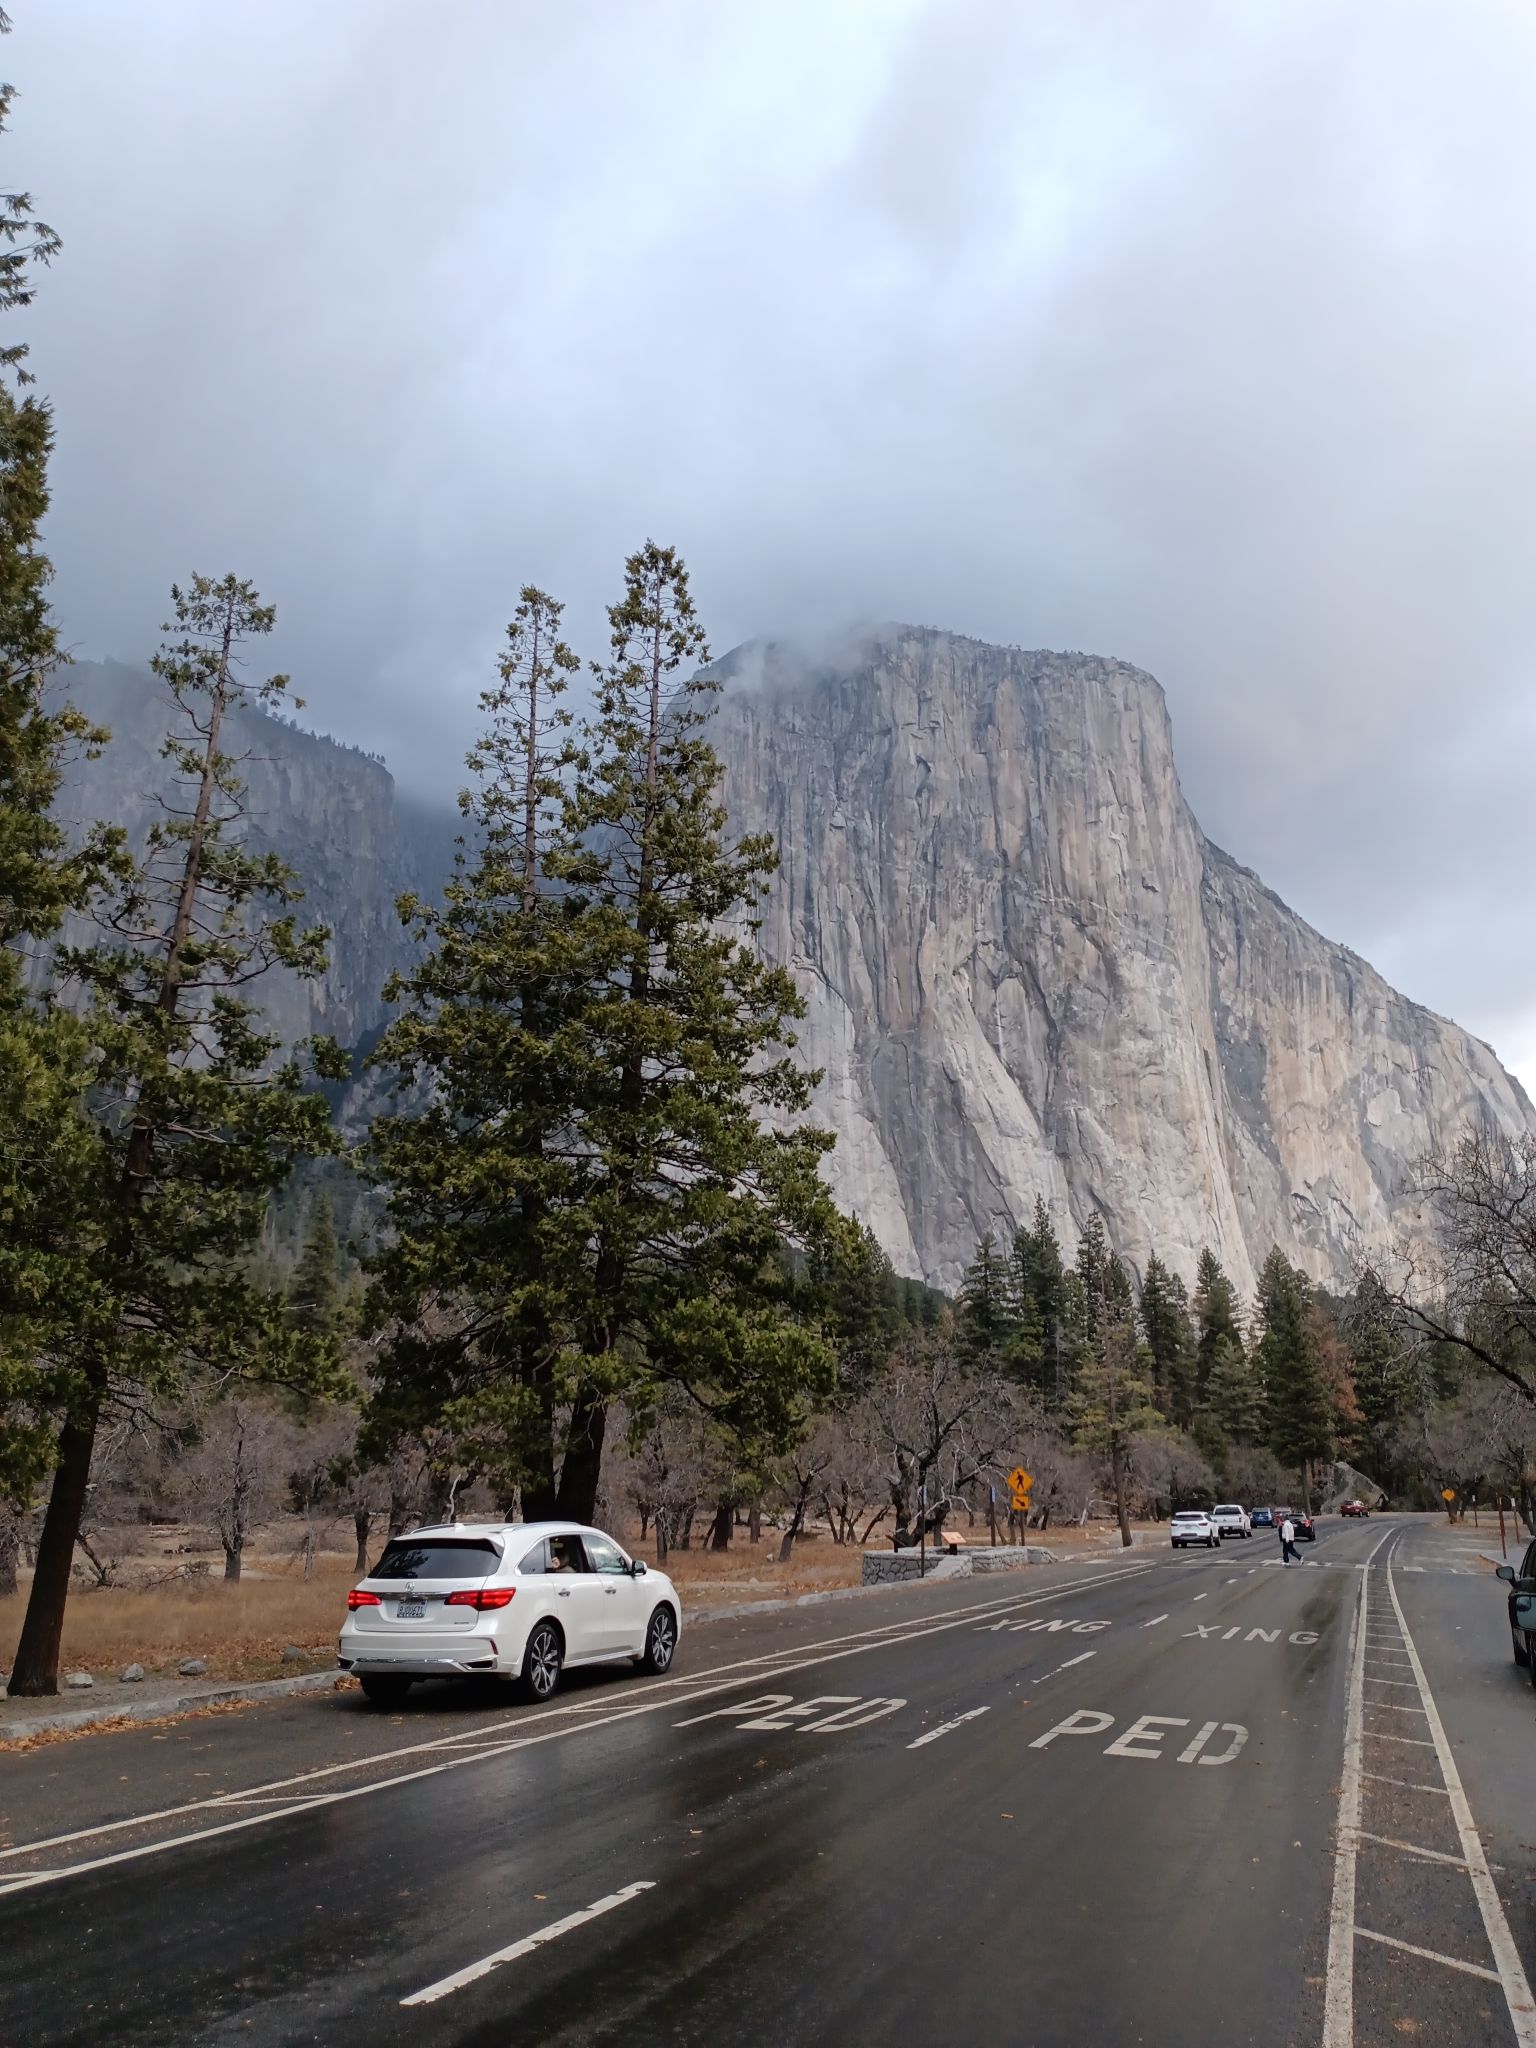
(474, 1282)
(191, 1127)
(1170, 1335)
(1298, 1407)
(1216, 1316)
(1111, 1400)
(314, 1293)
(986, 1317)
(1232, 1396)
(594, 1204)
(1387, 1368)
(1039, 1349)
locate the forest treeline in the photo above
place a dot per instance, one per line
(597, 1269)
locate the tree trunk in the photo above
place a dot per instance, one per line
(720, 1534)
(1117, 1467)
(10, 1546)
(309, 1555)
(35, 1674)
(796, 1521)
(755, 1523)
(663, 1535)
(576, 1500)
(233, 1554)
(362, 1523)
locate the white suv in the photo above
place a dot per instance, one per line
(1231, 1520)
(514, 1600)
(1194, 1525)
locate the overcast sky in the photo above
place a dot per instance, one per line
(1199, 334)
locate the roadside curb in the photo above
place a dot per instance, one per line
(163, 1709)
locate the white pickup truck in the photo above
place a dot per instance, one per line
(1231, 1520)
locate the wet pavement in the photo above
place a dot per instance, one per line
(1097, 1804)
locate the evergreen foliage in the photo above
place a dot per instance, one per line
(1299, 1416)
(1216, 1316)
(1170, 1335)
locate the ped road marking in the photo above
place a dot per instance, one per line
(529, 1943)
(1144, 1733)
(778, 1710)
(830, 1649)
(948, 1727)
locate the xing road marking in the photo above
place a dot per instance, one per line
(1216, 1633)
(657, 1698)
(948, 1727)
(529, 1943)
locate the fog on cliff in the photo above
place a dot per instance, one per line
(1199, 334)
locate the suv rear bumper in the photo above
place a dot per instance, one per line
(479, 1659)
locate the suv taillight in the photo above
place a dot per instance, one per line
(482, 1597)
(358, 1598)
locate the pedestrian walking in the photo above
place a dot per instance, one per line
(1289, 1554)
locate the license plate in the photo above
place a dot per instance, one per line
(411, 1610)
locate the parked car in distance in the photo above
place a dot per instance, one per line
(1231, 1520)
(1355, 1510)
(1194, 1525)
(511, 1600)
(1521, 1580)
(1262, 1518)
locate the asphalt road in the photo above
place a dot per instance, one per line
(1165, 1799)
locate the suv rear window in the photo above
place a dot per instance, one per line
(436, 1557)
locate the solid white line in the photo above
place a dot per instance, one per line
(528, 1944)
(945, 1727)
(1068, 1665)
(1154, 1621)
(1517, 1991)
(1339, 1993)
(651, 1704)
(1429, 1955)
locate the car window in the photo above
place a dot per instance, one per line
(436, 1557)
(567, 1555)
(537, 1559)
(603, 1555)
(1528, 1569)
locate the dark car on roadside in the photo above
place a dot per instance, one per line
(1521, 1580)
(1262, 1518)
(1306, 1529)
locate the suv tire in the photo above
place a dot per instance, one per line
(543, 1656)
(660, 1642)
(1517, 1640)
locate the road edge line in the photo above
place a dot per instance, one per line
(1506, 1956)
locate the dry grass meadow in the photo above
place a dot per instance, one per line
(242, 1630)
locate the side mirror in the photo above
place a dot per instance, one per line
(1506, 1571)
(638, 1568)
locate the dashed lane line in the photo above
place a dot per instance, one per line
(529, 1943)
(948, 1727)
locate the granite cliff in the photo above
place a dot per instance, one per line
(332, 811)
(1028, 971)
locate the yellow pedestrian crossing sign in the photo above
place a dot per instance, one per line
(1019, 1483)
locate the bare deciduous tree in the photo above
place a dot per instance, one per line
(233, 1475)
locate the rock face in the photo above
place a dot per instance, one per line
(331, 811)
(1029, 973)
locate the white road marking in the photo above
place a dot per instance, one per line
(1406, 1784)
(1391, 1706)
(840, 1647)
(1339, 1995)
(1412, 1849)
(1202, 1596)
(948, 1727)
(1517, 1991)
(1429, 1955)
(1154, 1621)
(529, 1943)
(1067, 1666)
(1412, 1741)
